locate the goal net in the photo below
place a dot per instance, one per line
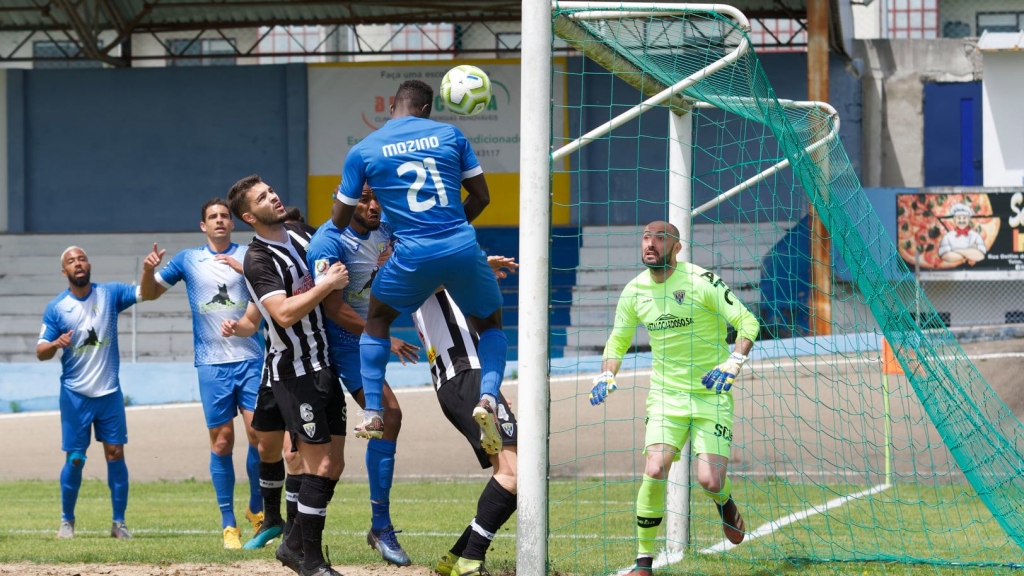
(837, 456)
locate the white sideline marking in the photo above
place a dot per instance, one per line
(327, 532)
(666, 558)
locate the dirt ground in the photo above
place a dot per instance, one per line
(831, 411)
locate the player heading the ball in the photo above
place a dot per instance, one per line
(417, 167)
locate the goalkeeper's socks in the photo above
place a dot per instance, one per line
(495, 507)
(492, 350)
(373, 354)
(271, 483)
(722, 496)
(462, 542)
(380, 467)
(292, 486)
(650, 509)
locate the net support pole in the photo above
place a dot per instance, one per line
(821, 243)
(534, 280)
(680, 206)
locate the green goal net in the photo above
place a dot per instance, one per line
(838, 463)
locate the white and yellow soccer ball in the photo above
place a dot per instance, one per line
(466, 90)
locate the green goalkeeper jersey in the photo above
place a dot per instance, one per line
(686, 318)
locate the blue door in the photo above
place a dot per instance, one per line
(952, 134)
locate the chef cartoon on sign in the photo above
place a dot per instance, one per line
(962, 243)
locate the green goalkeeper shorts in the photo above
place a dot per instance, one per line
(708, 420)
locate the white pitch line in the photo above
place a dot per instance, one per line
(328, 532)
(666, 558)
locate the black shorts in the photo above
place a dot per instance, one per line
(458, 397)
(313, 406)
(267, 417)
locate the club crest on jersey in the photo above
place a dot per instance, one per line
(320, 267)
(310, 429)
(679, 296)
(508, 428)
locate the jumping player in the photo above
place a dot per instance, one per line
(417, 168)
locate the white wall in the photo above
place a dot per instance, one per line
(3, 151)
(1003, 118)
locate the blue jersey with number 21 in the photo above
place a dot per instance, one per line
(415, 166)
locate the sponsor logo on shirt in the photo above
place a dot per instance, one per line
(668, 321)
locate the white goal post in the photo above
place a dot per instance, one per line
(536, 158)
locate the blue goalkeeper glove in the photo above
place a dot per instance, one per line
(722, 377)
(603, 386)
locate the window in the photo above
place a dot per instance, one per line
(62, 51)
(211, 47)
(505, 41)
(1000, 22)
(295, 39)
(913, 18)
(778, 35)
(433, 37)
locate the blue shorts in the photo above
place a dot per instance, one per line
(466, 275)
(80, 413)
(346, 363)
(228, 388)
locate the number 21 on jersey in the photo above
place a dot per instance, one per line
(421, 169)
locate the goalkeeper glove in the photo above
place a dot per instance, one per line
(722, 377)
(603, 386)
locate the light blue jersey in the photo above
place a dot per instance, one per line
(215, 293)
(90, 364)
(416, 167)
(360, 255)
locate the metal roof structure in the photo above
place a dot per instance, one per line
(1001, 41)
(80, 22)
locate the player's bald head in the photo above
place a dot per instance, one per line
(662, 227)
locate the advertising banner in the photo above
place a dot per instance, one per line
(966, 235)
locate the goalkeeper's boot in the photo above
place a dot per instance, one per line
(264, 535)
(371, 428)
(490, 439)
(466, 567)
(644, 567)
(386, 543)
(732, 521)
(254, 518)
(119, 530)
(67, 530)
(445, 564)
(232, 538)
(288, 557)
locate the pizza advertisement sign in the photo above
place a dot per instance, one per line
(967, 234)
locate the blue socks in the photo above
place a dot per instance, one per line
(493, 348)
(117, 479)
(373, 354)
(252, 468)
(380, 467)
(222, 470)
(70, 482)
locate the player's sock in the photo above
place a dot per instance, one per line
(271, 483)
(492, 349)
(723, 496)
(222, 471)
(252, 469)
(495, 507)
(380, 467)
(70, 482)
(460, 544)
(292, 486)
(373, 354)
(650, 509)
(312, 517)
(117, 480)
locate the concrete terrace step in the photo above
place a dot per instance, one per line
(139, 244)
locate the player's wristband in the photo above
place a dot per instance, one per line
(738, 358)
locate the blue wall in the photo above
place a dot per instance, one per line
(622, 179)
(141, 149)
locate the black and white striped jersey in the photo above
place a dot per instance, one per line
(450, 342)
(273, 268)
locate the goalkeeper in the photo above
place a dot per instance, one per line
(685, 309)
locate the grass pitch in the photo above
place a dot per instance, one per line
(943, 529)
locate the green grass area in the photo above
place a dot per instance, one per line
(591, 525)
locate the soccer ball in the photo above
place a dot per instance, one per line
(466, 90)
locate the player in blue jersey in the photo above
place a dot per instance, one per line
(229, 368)
(82, 321)
(362, 247)
(417, 168)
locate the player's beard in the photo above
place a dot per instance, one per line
(272, 219)
(362, 222)
(659, 263)
(81, 283)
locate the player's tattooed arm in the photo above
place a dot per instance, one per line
(149, 288)
(479, 196)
